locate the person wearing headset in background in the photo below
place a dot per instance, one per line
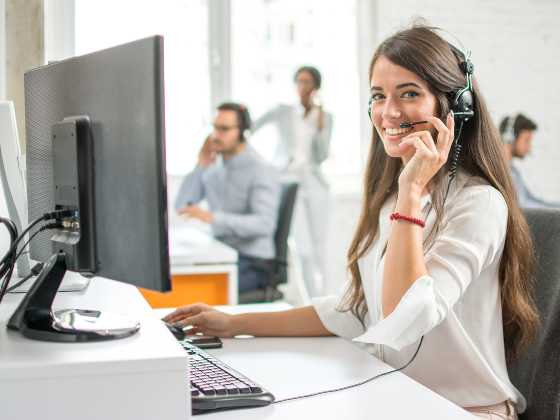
(517, 133)
(305, 135)
(243, 193)
(436, 260)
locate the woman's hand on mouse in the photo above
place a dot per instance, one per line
(204, 319)
(429, 156)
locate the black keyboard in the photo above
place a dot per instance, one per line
(216, 386)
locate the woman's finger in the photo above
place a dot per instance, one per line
(174, 316)
(184, 311)
(423, 137)
(445, 133)
(418, 143)
(192, 320)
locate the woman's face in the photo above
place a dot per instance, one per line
(399, 95)
(305, 84)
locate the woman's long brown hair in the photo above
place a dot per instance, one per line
(421, 50)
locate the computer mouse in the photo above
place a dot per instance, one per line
(176, 331)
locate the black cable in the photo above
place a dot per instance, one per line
(8, 268)
(454, 159)
(355, 385)
(35, 271)
(9, 260)
(27, 243)
(39, 266)
(47, 216)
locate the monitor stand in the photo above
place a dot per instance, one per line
(35, 319)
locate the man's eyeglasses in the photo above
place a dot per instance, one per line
(224, 128)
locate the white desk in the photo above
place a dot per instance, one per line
(192, 251)
(145, 376)
(141, 377)
(290, 367)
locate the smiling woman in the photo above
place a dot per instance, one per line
(419, 275)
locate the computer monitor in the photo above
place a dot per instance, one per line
(95, 137)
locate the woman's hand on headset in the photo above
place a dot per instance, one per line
(429, 156)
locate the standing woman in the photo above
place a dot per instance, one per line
(437, 266)
(305, 135)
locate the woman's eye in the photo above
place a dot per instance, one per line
(377, 96)
(410, 94)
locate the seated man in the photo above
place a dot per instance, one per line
(243, 194)
(517, 133)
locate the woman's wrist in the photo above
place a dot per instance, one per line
(410, 192)
(408, 203)
(236, 325)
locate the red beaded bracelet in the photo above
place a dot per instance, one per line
(410, 219)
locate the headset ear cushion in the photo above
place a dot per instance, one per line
(508, 137)
(464, 102)
(246, 121)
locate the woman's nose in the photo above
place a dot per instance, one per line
(390, 110)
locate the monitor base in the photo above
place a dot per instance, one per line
(35, 319)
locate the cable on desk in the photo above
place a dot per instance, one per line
(355, 385)
(8, 262)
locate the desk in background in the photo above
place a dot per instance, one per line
(203, 269)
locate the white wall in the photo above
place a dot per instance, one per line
(516, 52)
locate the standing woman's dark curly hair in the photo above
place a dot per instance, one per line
(421, 50)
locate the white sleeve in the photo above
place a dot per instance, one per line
(471, 240)
(342, 324)
(322, 139)
(272, 115)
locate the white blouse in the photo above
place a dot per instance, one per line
(457, 308)
(302, 147)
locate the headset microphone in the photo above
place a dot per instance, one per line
(410, 124)
(467, 114)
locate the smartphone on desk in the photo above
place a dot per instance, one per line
(203, 341)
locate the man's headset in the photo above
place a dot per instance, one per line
(245, 121)
(461, 102)
(509, 136)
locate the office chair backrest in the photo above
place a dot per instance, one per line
(537, 375)
(287, 201)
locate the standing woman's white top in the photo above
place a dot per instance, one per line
(458, 307)
(304, 138)
(301, 147)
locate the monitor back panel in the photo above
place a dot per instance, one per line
(121, 89)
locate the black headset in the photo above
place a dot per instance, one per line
(509, 136)
(245, 120)
(462, 101)
(462, 104)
